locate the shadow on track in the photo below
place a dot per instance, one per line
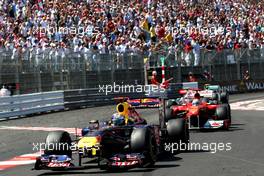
(166, 157)
(94, 172)
(136, 170)
(232, 128)
(237, 124)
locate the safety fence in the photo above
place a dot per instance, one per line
(28, 104)
(56, 69)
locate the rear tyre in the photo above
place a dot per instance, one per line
(222, 112)
(205, 100)
(58, 143)
(80, 160)
(215, 97)
(37, 165)
(224, 97)
(228, 111)
(103, 163)
(170, 103)
(168, 114)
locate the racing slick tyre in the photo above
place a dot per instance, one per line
(215, 97)
(229, 117)
(178, 131)
(80, 159)
(205, 100)
(58, 143)
(222, 112)
(168, 114)
(143, 140)
(170, 103)
(224, 97)
(103, 163)
(228, 111)
(37, 165)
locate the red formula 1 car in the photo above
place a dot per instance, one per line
(151, 98)
(204, 109)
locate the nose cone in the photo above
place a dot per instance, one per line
(87, 142)
(194, 110)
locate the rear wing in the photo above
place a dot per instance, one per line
(173, 90)
(189, 93)
(212, 87)
(154, 91)
(206, 93)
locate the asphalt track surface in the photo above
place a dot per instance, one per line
(246, 157)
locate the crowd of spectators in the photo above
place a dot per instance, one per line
(121, 26)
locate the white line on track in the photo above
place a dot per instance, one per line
(69, 130)
(250, 105)
(15, 163)
(19, 160)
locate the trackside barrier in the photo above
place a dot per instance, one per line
(22, 105)
(239, 86)
(93, 97)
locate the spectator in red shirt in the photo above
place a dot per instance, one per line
(187, 50)
(154, 78)
(191, 77)
(161, 32)
(237, 45)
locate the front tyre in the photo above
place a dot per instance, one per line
(58, 143)
(178, 131)
(142, 139)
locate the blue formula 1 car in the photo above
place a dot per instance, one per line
(144, 103)
(123, 143)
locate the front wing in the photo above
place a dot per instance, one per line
(50, 162)
(213, 124)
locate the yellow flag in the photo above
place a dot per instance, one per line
(152, 32)
(145, 60)
(145, 25)
(169, 37)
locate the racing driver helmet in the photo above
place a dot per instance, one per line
(118, 120)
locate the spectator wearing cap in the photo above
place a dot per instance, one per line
(4, 92)
(191, 77)
(154, 80)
